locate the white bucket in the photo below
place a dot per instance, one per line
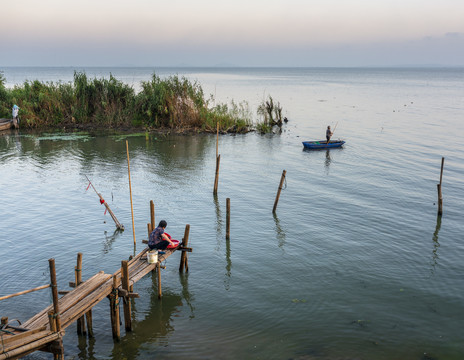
(152, 257)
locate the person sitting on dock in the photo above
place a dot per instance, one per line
(328, 134)
(158, 239)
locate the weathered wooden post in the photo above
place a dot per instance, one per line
(228, 218)
(183, 256)
(216, 179)
(440, 195)
(279, 190)
(78, 280)
(149, 229)
(114, 310)
(217, 139)
(56, 307)
(152, 214)
(4, 321)
(126, 299)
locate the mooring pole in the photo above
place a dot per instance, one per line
(279, 190)
(183, 256)
(130, 191)
(152, 214)
(56, 307)
(216, 179)
(126, 299)
(149, 229)
(217, 139)
(228, 218)
(440, 195)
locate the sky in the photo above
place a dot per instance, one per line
(295, 33)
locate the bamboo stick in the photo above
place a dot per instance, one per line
(130, 191)
(183, 256)
(279, 190)
(228, 218)
(117, 223)
(217, 139)
(32, 346)
(25, 292)
(216, 179)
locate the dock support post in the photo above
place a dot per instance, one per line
(56, 307)
(78, 280)
(183, 256)
(126, 300)
(4, 321)
(228, 218)
(279, 190)
(149, 229)
(114, 311)
(159, 280)
(152, 214)
(216, 179)
(440, 195)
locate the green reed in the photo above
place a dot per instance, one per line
(172, 103)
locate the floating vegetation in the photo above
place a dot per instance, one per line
(173, 103)
(296, 301)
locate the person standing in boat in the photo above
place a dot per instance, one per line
(15, 114)
(328, 134)
(158, 239)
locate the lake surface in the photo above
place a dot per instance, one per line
(355, 264)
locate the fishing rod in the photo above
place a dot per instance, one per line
(102, 201)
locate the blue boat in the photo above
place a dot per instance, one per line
(322, 144)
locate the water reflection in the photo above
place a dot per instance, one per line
(154, 328)
(279, 232)
(228, 266)
(109, 240)
(436, 245)
(327, 161)
(183, 278)
(86, 347)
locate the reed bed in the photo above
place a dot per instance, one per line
(174, 102)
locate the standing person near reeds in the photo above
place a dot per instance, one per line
(15, 114)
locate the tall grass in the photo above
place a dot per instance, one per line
(173, 103)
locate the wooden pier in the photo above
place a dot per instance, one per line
(45, 330)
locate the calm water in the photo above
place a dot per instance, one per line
(354, 265)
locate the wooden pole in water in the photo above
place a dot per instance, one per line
(440, 195)
(102, 201)
(78, 280)
(228, 218)
(149, 229)
(130, 191)
(152, 214)
(126, 300)
(216, 179)
(159, 280)
(183, 256)
(114, 311)
(279, 190)
(56, 307)
(217, 139)
(25, 292)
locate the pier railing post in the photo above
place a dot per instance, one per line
(279, 190)
(56, 307)
(183, 256)
(126, 300)
(78, 280)
(152, 214)
(114, 310)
